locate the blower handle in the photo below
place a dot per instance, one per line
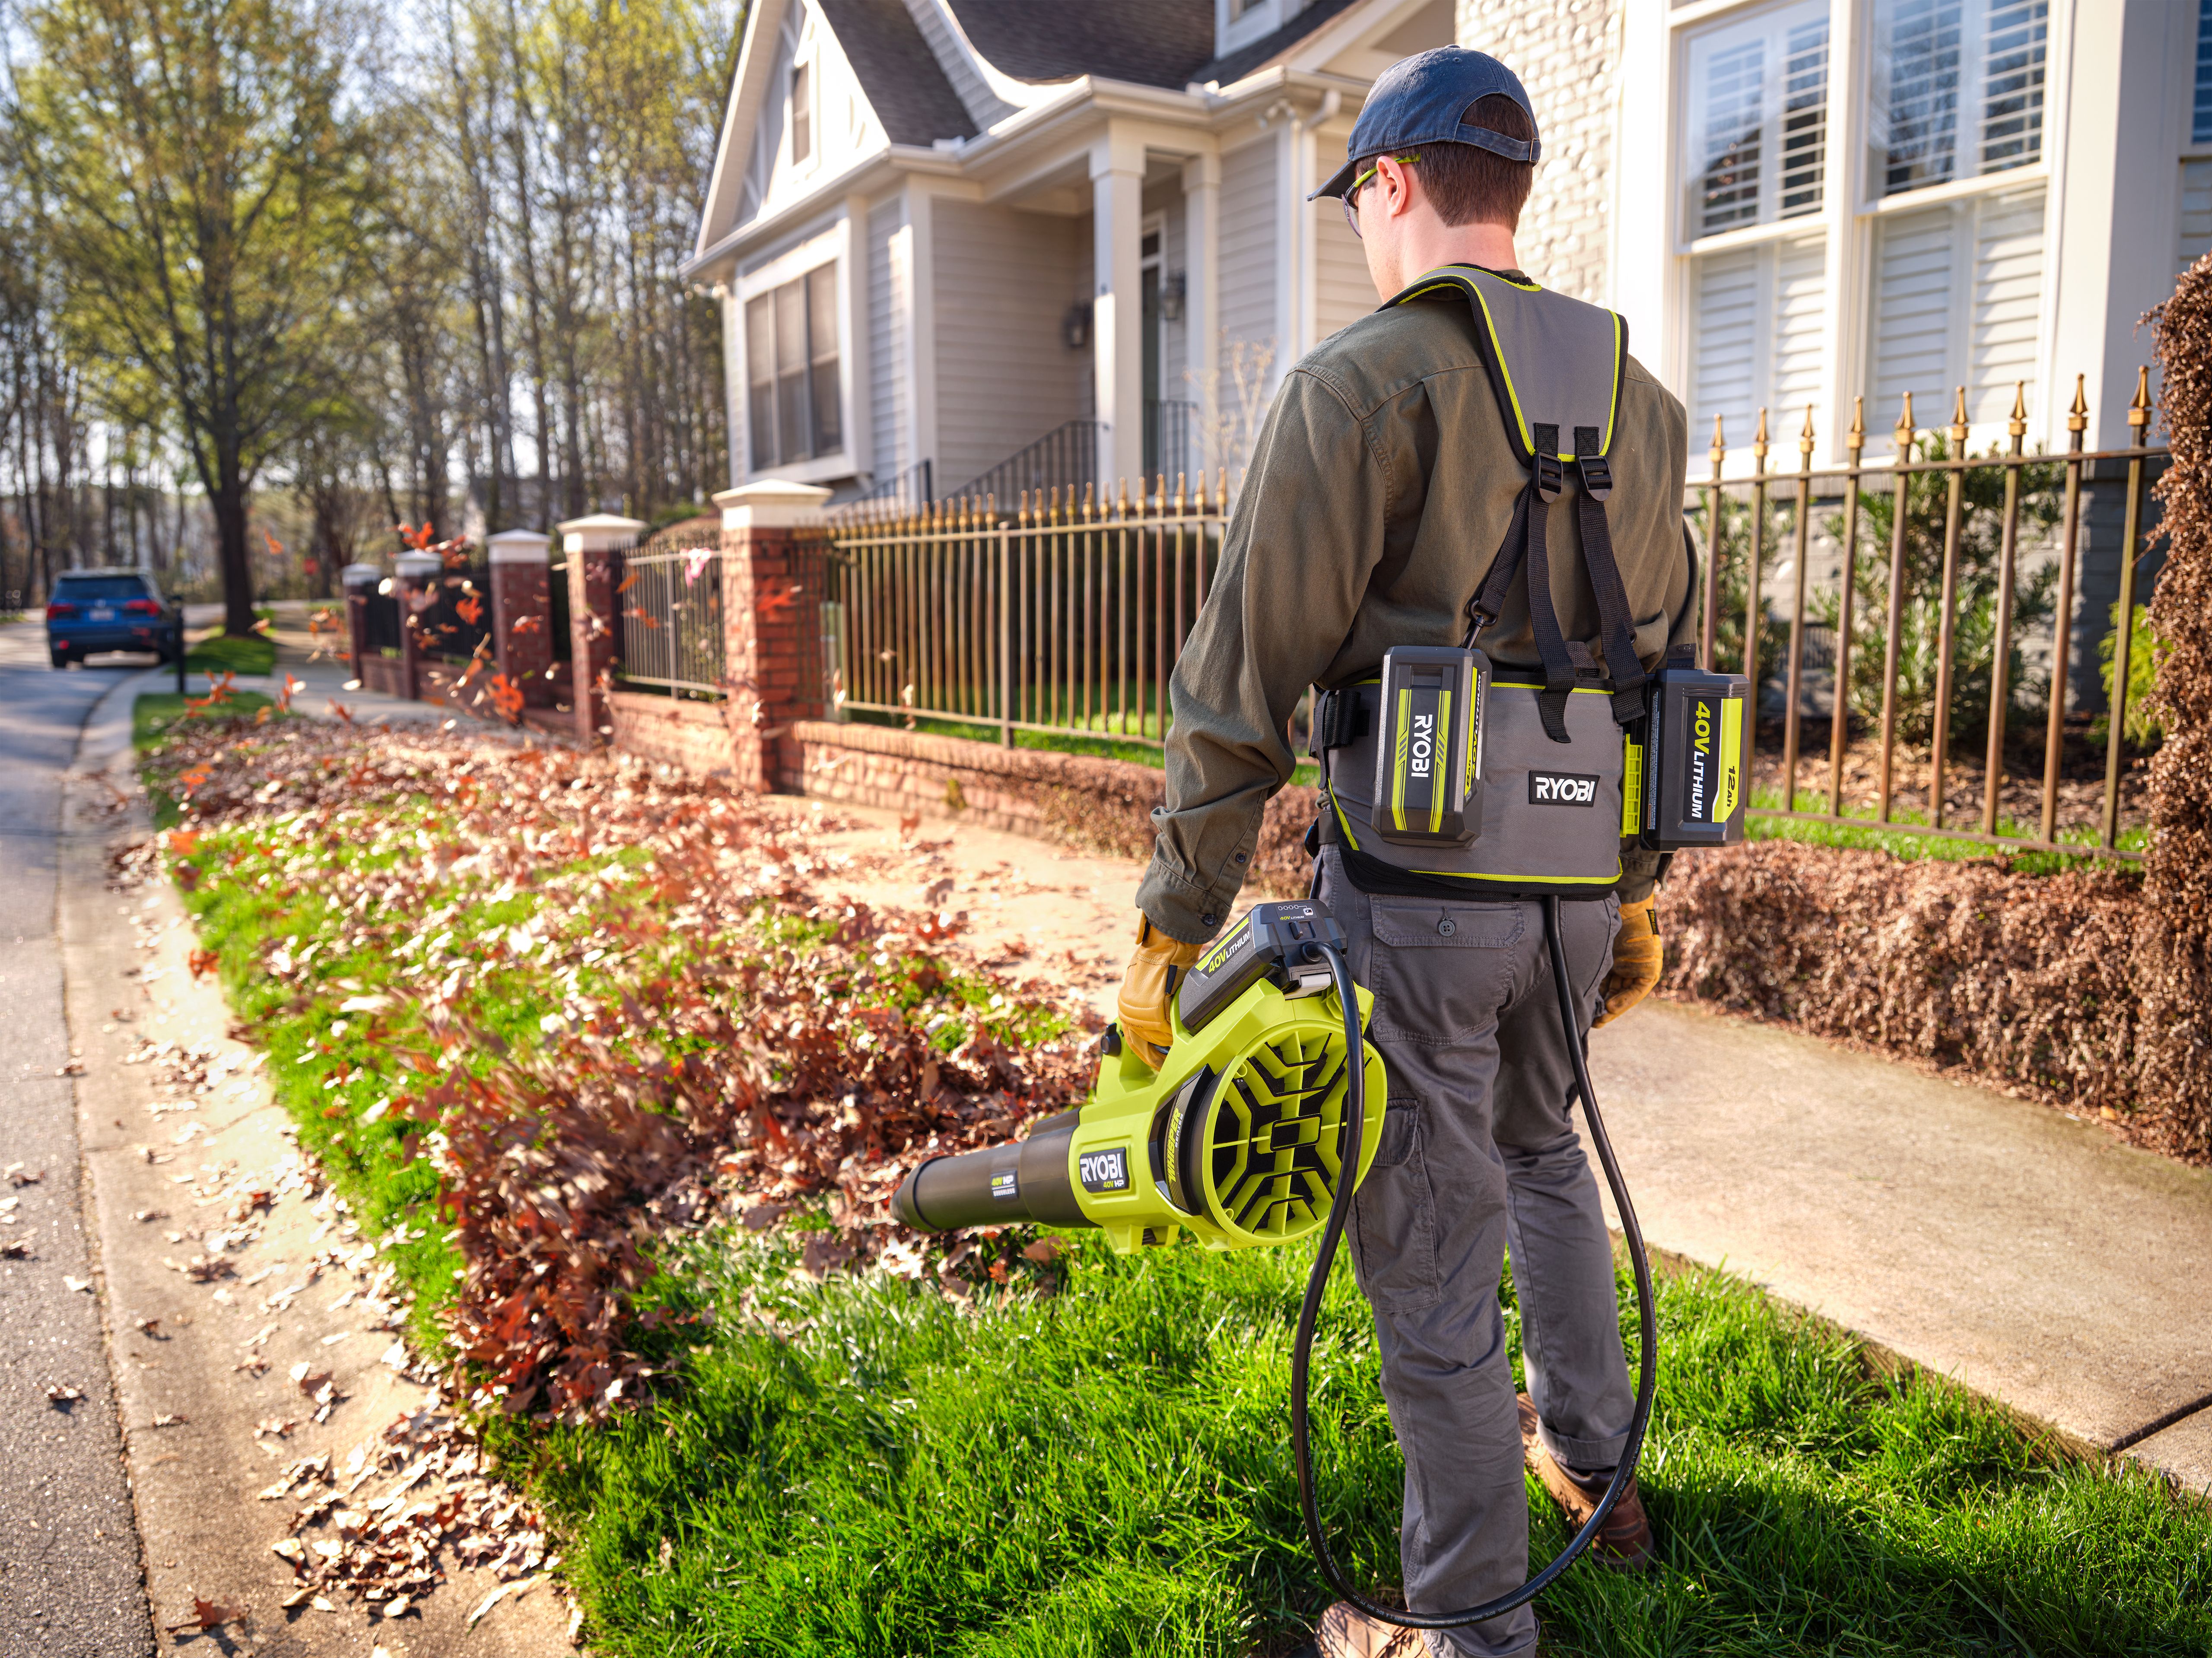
(1339, 1210)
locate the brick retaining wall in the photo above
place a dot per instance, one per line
(690, 734)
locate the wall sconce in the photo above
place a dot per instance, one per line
(1075, 326)
(1171, 295)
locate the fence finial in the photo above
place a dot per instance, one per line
(1181, 479)
(1719, 451)
(1958, 424)
(1805, 437)
(1855, 439)
(2016, 424)
(1221, 490)
(2077, 417)
(991, 507)
(2139, 409)
(1758, 443)
(1160, 492)
(1121, 507)
(1904, 426)
(1090, 495)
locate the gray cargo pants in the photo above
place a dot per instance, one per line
(1477, 1155)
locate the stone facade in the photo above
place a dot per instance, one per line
(681, 731)
(1567, 53)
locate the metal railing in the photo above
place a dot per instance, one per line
(1064, 459)
(912, 488)
(1065, 614)
(457, 619)
(1944, 595)
(671, 619)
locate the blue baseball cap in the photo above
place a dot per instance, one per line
(1419, 101)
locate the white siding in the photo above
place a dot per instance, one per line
(1247, 239)
(890, 305)
(2195, 237)
(1343, 291)
(1958, 299)
(1005, 280)
(1756, 341)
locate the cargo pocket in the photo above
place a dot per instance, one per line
(1394, 1220)
(1442, 970)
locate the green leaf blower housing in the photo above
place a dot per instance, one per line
(1235, 1140)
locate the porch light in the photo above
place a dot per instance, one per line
(1075, 326)
(1171, 295)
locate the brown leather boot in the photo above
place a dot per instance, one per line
(1625, 1541)
(1347, 1632)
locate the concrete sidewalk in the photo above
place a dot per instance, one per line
(1997, 1242)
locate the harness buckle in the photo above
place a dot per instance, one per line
(1551, 477)
(1597, 476)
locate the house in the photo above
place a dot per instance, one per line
(946, 234)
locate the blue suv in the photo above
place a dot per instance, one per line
(93, 611)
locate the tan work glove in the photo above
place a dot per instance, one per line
(1148, 989)
(1636, 959)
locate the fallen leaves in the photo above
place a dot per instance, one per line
(206, 1615)
(62, 1393)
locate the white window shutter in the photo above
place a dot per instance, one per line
(1913, 302)
(2007, 301)
(1723, 379)
(1801, 349)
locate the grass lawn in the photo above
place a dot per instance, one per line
(221, 653)
(1875, 836)
(155, 711)
(850, 1464)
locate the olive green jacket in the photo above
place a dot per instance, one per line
(1381, 485)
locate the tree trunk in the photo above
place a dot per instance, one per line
(229, 502)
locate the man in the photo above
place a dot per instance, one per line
(1383, 485)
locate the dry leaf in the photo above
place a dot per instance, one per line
(206, 1615)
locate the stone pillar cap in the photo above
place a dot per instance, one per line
(418, 564)
(771, 504)
(356, 574)
(597, 532)
(518, 546)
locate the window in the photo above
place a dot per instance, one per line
(1956, 89)
(802, 115)
(1757, 342)
(792, 403)
(2200, 122)
(1757, 134)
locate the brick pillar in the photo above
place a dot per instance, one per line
(358, 581)
(773, 535)
(594, 546)
(522, 592)
(415, 580)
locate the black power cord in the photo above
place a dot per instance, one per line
(1339, 1210)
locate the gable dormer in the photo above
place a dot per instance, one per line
(1240, 23)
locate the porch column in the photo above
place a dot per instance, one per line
(774, 581)
(522, 611)
(1117, 207)
(594, 546)
(414, 582)
(1202, 303)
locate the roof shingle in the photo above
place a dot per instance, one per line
(904, 83)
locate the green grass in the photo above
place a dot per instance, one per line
(221, 653)
(1055, 742)
(1903, 842)
(155, 711)
(1107, 1472)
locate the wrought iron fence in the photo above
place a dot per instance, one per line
(383, 618)
(1956, 576)
(912, 488)
(1065, 614)
(457, 619)
(672, 619)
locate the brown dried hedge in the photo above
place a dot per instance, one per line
(2173, 948)
(2022, 979)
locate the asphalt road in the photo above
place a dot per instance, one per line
(71, 1585)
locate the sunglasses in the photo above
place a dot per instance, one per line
(1350, 200)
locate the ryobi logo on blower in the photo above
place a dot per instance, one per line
(1562, 789)
(1103, 1171)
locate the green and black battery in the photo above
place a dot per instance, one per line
(1428, 754)
(1686, 763)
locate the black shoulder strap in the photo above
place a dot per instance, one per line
(1616, 626)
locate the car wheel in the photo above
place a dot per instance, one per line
(61, 659)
